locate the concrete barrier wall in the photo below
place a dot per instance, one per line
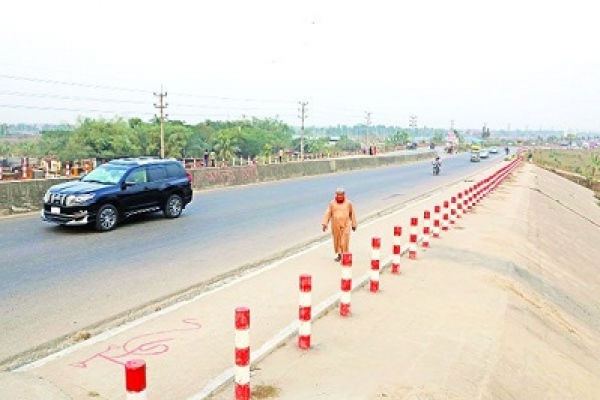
(26, 196)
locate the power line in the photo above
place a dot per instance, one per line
(70, 98)
(230, 98)
(17, 106)
(59, 82)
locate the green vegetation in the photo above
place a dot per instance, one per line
(134, 137)
(581, 166)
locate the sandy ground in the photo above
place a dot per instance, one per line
(504, 306)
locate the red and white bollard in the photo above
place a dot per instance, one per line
(135, 380)
(459, 206)
(412, 246)
(375, 255)
(242, 353)
(346, 284)
(396, 250)
(445, 217)
(67, 169)
(466, 201)
(471, 202)
(436, 222)
(305, 311)
(452, 210)
(426, 228)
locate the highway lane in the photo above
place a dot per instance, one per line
(57, 280)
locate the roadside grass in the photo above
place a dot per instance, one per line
(579, 166)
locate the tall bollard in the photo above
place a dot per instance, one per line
(396, 250)
(346, 284)
(465, 201)
(375, 255)
(452, 210)
(436, 222)
(470, 198)
(135, 380)
(67, 169)
(412, 246)
(426, 228)
(305, 312)
(445, 216)
(459, 207)
(242, 353)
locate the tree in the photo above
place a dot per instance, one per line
(438, 137)
(226, 143)
(399, 138)
(485, 133)
(347, 144)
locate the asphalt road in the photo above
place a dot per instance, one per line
(56, 280)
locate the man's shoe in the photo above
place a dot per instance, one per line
(338, 258)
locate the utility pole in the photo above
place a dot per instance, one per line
(302, 117)
(161, 106)
(413, 125)
(368, 117)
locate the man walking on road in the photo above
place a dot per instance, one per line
(343, 218)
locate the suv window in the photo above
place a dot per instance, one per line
(157, 173)
(175, 170)
(138, 175)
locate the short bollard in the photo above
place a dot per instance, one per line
(412, 246)
(426, 228)
(346, 284)
(24, 167)
(135, 379)
(242, 353)
(375, 255)
(396, 250)
(305, 312)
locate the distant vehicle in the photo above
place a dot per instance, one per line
(484, 153)
(475, 156)
(119, 189)
(411, 146)
(436, 168)
(494, 150)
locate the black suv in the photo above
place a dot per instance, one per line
(119, 189)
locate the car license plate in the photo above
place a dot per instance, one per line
(55, 210)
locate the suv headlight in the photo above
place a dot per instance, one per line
(74, 200)
(47, 197)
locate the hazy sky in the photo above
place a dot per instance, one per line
(523, 64)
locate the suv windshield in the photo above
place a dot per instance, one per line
(106, 174)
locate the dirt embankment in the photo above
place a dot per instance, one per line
(504, 306)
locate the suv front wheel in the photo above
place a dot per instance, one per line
(107, 218)
(173, 206)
